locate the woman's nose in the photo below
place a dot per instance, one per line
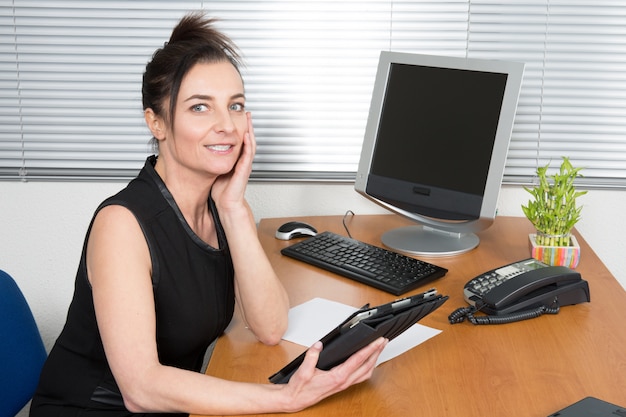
(224, 122)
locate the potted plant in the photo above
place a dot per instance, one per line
(554, 212)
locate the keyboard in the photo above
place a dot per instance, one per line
(368, 264)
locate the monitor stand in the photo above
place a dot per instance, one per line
(427, 241)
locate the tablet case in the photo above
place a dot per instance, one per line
(591, 407)
(363, 327)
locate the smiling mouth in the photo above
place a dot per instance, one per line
(219, 148)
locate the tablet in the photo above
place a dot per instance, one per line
(363, 327)
(591, 407)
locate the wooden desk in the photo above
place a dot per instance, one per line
(530, 368)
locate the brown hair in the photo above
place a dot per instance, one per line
(193, 40)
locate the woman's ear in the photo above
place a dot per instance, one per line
(155, 124)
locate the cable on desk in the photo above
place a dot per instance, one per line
(460, 314)
(345, 226)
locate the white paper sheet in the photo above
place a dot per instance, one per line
(310, 321)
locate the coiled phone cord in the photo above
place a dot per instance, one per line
(460, 314)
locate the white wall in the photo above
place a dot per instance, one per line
(43, 226)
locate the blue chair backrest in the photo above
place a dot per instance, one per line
(22, 352)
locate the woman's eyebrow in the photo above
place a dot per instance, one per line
(211, 98)
(200, 97)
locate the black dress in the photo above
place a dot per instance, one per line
(194, 301)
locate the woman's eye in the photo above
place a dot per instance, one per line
(237, 107)
(199, 107)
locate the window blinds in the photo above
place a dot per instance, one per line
(573, 99)
(70, 76)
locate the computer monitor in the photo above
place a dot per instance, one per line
(435, 147)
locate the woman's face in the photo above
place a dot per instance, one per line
(210, 120)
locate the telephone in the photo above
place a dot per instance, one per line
(520, 290)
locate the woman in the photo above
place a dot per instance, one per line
(165, 259)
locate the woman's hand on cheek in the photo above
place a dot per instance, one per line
(229, 189)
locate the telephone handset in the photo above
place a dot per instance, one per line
(521, 290)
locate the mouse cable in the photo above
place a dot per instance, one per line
(345, 226)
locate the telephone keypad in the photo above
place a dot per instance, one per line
(488, 281)
(477, 287)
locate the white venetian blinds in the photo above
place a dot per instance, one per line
(70, 79)
(573, 99)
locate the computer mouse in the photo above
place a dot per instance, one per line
(291, 230)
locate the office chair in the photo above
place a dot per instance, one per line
(22, 352)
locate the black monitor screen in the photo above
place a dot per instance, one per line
(438, 126)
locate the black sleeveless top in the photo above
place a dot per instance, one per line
(194, 300)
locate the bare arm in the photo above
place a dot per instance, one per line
(260, 295)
